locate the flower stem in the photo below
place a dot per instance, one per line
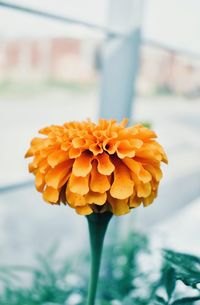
(97, 224)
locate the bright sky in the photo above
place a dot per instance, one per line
(175, 23)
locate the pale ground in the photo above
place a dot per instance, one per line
(27, 225)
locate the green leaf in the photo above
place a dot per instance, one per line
(170, 281)
(187, 267)
(160, 300)
(189, 301)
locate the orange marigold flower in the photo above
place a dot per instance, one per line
(97, 167)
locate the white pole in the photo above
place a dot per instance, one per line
(120, 59)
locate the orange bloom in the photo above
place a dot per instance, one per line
(97, 167)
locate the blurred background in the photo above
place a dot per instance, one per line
(70, 60)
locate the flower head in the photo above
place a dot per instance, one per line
(97, 167)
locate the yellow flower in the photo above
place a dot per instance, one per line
(97, 167)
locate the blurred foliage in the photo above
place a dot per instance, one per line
(9, 88)
(146, 124)
(131, 274)
(164, 89)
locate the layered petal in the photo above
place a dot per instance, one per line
(119, 207)
(105, 166)
(79, 185)
(125, 149)
(57, 157)
(39, 182)
(82, 165)
(95, 198)
(122, 186)
(58, 176)
(98, 183)
(75, 199)
(155, 171)
(96, 168)
(51, 195)
(143, 189)
(84, 210)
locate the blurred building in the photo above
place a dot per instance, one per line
(73, 60)
(165, 71)
(61, 59)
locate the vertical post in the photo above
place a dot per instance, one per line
(120, 57)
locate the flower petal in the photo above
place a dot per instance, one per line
(96, 198)
(125, 149)
(66, 145)
(98, 182)
(122, 186)
(110, 145)
(105, 166)
(29, 153)
(144, 175)
(58, 176)
(143, 189)
(51, 195)
(44, 166)
(57, 157)
(150, 151)
(136, 143)
(147, 201)
(119, 207)
(79, 185)
(155, 171)
(45, 130)
(134, 201)
(32, 167)
(37, 142)
(84, 210)
(39, 182)
(74, 199)
(133, 165)
(74, 153)
(82, 165)
(144, 133)
(78, 142)
(96, 149)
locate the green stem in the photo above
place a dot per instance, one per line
(97, 224)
